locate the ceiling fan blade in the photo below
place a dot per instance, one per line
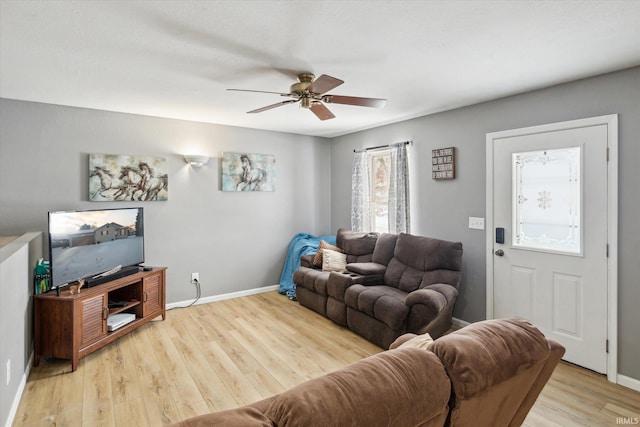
(354, 100)
(262, 91)
(269, 107)
(324, 84)
(321, 111)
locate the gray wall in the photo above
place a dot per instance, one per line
(16, 319)
(442, 208)
(236, 241)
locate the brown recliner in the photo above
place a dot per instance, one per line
(497, 370)
(417, 291)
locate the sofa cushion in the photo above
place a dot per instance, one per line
(317, 259)
(385, 246)
(358, 246)
(421, 261)
(383, 303)
(401, 276)
(333, 260)
(382, 390)
(312, 279)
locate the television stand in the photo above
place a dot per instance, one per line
(71, 326)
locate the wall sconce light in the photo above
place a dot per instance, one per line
(195, 160)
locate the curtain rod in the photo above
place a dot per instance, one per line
(381, 146)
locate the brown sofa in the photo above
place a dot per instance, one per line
(393, 284)
(487, 374)
(311, 281)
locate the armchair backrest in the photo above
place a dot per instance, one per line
(497, 369)
(385, 246)
(358, 246)
(422, 261)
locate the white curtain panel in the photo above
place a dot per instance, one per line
(399, 190)
(360, 206)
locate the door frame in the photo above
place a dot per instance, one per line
(611, 121)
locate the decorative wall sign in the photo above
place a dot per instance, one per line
(248, 172)
(443, 164)
(118, 177)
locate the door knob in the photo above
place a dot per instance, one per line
(499, 252)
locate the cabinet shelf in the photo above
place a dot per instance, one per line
(71, 326)
(115, 309)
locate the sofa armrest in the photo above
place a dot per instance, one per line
(367, 268)
(428, 301)
(338, 283)
(436, 296)
(426, 304)
(448, 291)
(385, 389)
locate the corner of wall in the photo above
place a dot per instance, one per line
(17, 262)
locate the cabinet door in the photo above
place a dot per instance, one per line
(94, 319)
(151, 295)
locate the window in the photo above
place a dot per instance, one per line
(546, 194)
(380, 190)
(379, 163)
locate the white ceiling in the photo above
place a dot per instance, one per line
(177, 58)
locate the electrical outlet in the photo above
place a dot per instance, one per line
(8, 371)
(195, 277)
(476, 223)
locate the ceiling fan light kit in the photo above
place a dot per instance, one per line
(312, 95)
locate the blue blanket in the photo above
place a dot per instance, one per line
(301, 244)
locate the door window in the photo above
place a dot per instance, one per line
(547, 190)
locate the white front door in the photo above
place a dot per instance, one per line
(550, 211)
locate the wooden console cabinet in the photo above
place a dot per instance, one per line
(72, 326)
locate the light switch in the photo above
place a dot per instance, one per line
(476, 223)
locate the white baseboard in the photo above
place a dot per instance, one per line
(222, 297)
(628, 382)
(16, 400)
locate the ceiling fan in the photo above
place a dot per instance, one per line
(313, 93)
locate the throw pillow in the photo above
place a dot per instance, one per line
(333, 261)
(420, 341)
(317, 260)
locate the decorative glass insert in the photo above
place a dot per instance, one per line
(547, 190)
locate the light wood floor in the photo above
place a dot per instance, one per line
(225, 354)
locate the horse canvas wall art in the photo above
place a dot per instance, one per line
(119, 177)
(248, 172)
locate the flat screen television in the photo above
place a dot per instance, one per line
(86, 244)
